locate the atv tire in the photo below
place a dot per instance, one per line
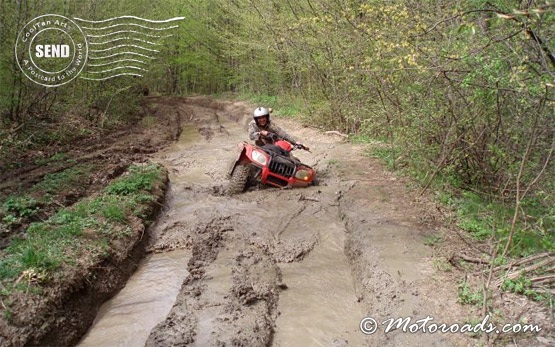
(238, 179)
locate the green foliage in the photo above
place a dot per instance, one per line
(14, 209)
(433, 239)
(34, 257)
(139, 178)
(282, 105)
(56, 182)
(460, 91)
(389, 155)
(19, 206)
(523, 286)
(520, 285)
(114, 212)
(469, 296)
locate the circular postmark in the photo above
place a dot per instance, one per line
(51, 50)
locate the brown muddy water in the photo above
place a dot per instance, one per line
(128, 318)
(272, 267)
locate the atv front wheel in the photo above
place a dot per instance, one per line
(238, 179)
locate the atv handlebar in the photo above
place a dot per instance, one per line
(275, 137)
(301, 146)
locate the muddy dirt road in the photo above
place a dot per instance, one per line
(280, 268)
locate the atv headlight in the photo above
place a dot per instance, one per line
(259, 157)
(302, 175)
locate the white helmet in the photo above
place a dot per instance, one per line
(261, 112)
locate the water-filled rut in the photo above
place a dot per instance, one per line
(128, 318)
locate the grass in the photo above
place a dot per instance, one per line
(85, 228)
(388, 155)
(484, 218)
(23, 206)
(523, 286)
(55, 158)
(432, 239)
(139, 178)
(15, 209)
(59, 181)
(468, 295)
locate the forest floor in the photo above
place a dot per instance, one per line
(282, 267)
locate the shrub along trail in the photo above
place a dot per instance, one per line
(299, 267)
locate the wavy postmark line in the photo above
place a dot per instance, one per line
(132, 24)
(113, 76)
(123, 35)
(119, 68)
(123, 46)
(121, 53)
(119, 61)
(111, 70)
(128, 32)
(122, 39)
(130, 17)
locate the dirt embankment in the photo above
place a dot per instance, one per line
(303, 267)
(68, 302)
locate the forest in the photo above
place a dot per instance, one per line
(458, 95)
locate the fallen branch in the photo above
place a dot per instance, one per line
(544, 291)
(543, 279)
(532, 258)
(305, 198)
(334, 132)
(523, 261)
(467, 259)
(518, 273)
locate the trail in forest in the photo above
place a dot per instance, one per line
(298, 267)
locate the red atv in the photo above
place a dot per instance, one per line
(270, 164)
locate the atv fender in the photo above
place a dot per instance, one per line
(241, 153)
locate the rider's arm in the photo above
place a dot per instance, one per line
(254, 133)
(281, 133)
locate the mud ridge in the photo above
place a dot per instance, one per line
(242, 315)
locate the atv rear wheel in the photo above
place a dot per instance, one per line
(238, 179)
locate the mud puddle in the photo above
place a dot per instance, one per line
(128, 318)
(320, 307)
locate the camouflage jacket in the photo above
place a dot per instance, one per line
(259, 140)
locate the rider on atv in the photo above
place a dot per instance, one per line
(269, 160)
(262, 131)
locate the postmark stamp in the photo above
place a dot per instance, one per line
(51, 50)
